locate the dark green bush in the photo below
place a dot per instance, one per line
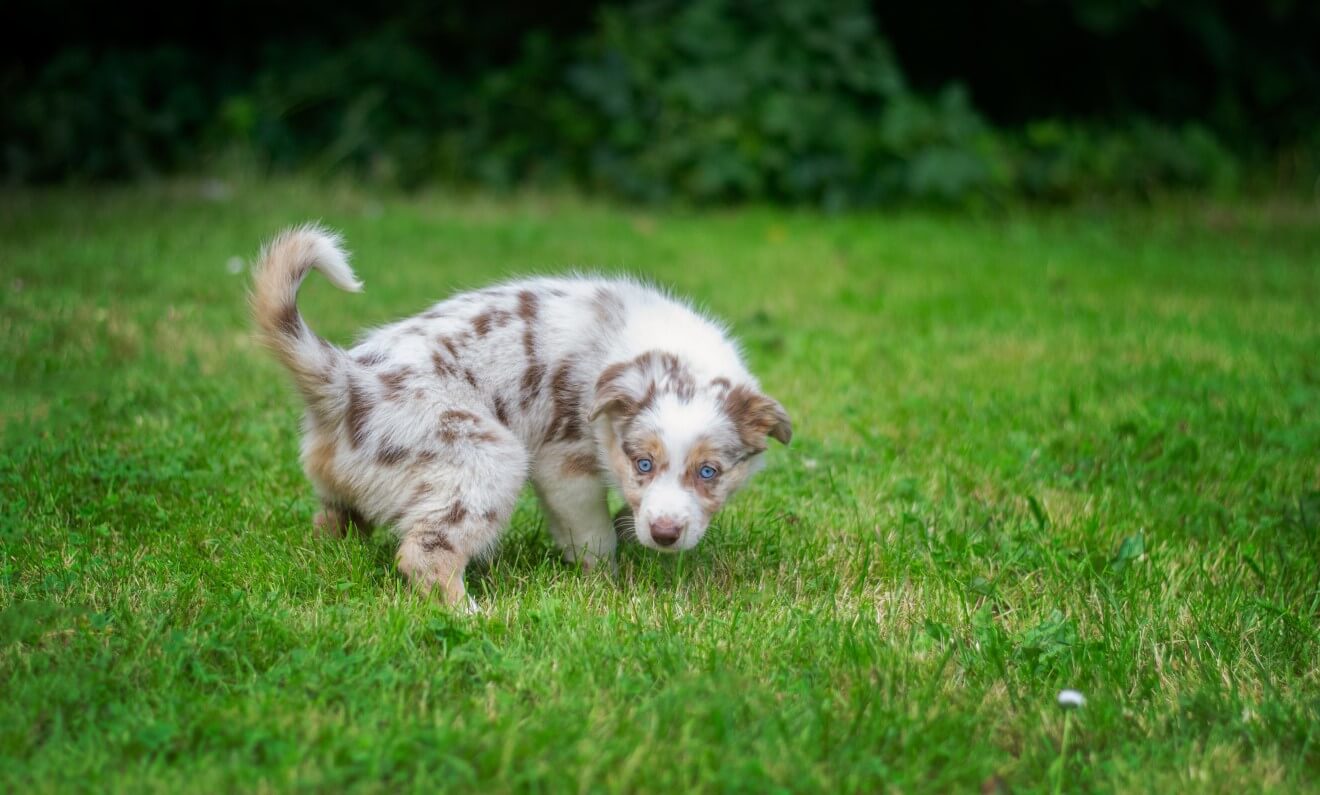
(736, 99)
(375, 106)
(114, 115)
(659, 100)
(1055, 160)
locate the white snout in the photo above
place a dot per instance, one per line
(670, 518)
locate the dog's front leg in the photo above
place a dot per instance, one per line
(577, 514)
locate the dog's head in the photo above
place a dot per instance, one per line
(679, 448)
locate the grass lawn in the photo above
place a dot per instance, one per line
(1033, 450)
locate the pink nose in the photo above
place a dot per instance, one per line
(666, 531)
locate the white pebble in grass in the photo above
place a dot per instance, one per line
(234, 265)
(1071, 699)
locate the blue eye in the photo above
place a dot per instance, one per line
(644, 465)
(706, 472)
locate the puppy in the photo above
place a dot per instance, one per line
(433, 424)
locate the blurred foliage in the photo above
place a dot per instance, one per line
(121, 114)
(655, 100)
(1055, 160)
(1250, 71)
(733, 99)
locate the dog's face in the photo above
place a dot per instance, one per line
(677, 448)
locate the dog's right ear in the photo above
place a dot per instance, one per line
(618, 391)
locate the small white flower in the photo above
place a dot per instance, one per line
(234, 265)
(810, 463)
(1071, 699)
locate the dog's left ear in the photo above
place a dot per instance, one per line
(757, 416)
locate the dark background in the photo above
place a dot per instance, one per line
(834, 103)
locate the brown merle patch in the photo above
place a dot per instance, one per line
(289, 322)
(394, 381)
(678, 379)
(431, 537)
(456, 424)
(501, 411)
(657, 373)
(443, 369)
(359, 407)
(566, 397)
(580, 463)
(456, 513)
(449, 345)
(527, 305)
(470, 377)
(531, 383)
(391, 455)
(488, 319)
(369, 359)
(459, 415)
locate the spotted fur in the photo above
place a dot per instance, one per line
(431, 426)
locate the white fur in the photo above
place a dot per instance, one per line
(681, 425)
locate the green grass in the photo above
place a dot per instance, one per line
(1033, 450)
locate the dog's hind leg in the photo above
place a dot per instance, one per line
(459, 504)
(335, 522)
(430, 560)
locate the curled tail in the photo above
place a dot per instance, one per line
(285, 261)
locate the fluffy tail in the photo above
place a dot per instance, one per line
(285, 261)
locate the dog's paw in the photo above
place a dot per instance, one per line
(590, 563)
(329, 523)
